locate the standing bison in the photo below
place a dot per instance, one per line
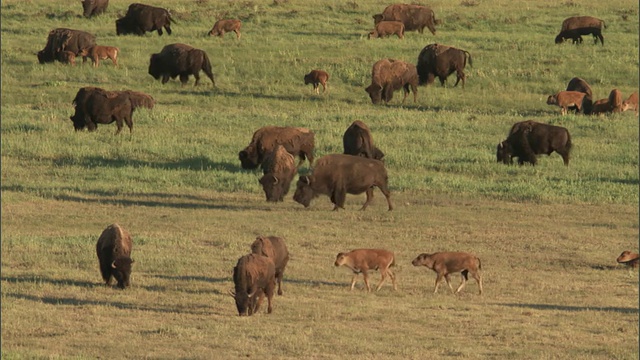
(337, 175)
(114, 251)
(180, 60)
(414, 17)
(437, 60)
(94, 7)
(297, 141)
(254, 277)
(357, 140)
(141, 18)
(529, 138)
(389, 75)
(275, 249)
(576, 26)
(61, 40)
(279, 168)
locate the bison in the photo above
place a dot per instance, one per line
(254, 277)
(615, 100)
(297, 141)
(576, 35)
(629, 258)
(94, 7)
(446, 263)
(529, 138)
(275, 249)
(387, 28)
(578, 84)
(596, 108)
(357, 140)
(62, 39)
(337, 175)
(631, 103)
(317, 77)
(363, 260)
(389, 75)
(114, 255)
(180, 60)
(437, 60)
(222, 26)
(66, 57)
(279, 168)
(566, 99)
(98, 52)
(581, 22)
(141, 18)
(414, 17)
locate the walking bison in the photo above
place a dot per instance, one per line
(437, 60)
(141, 18)
(414, 17)
(389, 75)
(114, 255)
(180, 60)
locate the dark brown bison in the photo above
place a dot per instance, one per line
(584, 25)
(357, 140)
(317, 77)
(275, 249)
(578, 84)
(254, 277)
(437, 60)
(180, 60)
(529, 138)
(141, 18)
(337, 175)
(222, 26)
(414, 17)
(114, 254)
(94, 7)
(389, 75)
(279, 168)
(61, 39)
(299, 142)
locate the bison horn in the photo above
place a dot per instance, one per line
(275, 179)
(501, 145)
(232, 293)
(253, 293)
(113, 264)
(306, 180)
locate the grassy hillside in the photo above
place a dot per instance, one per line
(547, 235)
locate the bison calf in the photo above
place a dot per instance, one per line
(275, 249)
(222, 26)
(98, 52)
(446, 263)
(565, 99)
(629, 258)
(317, 77)
(114, 251)
(66, 57)
(631, 103)
(363, 260)
(387, 28)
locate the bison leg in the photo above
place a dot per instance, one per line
(165, 78)
(448, 279)
(237, 34)
(369, 193)
(279, 279)
(438, 281)
(366, 279)
(353, 281)
(565, 157)
(119, 124)
(463, 282)
(316, 89)
(387, 194)
(598, 36)
(443, 79)
(270, 288)
(460, 76)
(159, 30)
(129, 121)
(383, 273)
(476, 275)
(338, 198)
(405, 91)
(168, 28)
(185, 78)
(324, 87)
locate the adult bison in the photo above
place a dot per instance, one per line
(114, 255)
(275, 249)
(298, 142)
(279, 168)
(62, 39)
(357, 140)
(414, 17)
(337, 175)
(253, 276)
(180, 60)
(437, 60)
(529, 138)
(578, 84)
(575, 26)
(389, 75)
(94, 7)
(141, 18)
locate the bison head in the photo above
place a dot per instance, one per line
(308, 79)
(122, 26)
(273, 187)
(249, 158)
(155, 67)
(246, 303)
(377, 18)
(378, 154)
(304, 192)
(559, 39)
(121, 271)
(375, 93)
(552, 100)
(78, 122)
(504, 153)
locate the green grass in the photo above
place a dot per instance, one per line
(547, 235)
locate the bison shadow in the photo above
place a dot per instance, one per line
(192, 278)
(151, 203)
(572, 308)
(56, 282)
(192, 163)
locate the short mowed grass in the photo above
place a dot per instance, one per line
(547, 235)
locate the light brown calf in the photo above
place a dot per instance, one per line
(222, 26)
(387, 28)
(629, 258)
(317, 77)
(565, 99)
(446, 263)
(363, 260)
(600, 107)
(615, 100)
(98, 52)
(631, 103)
(66, 57)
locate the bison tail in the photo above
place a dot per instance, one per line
(467, 54)
(569, 144)
(170, 18)
(206, 67)
(479, 263)
(603, 24)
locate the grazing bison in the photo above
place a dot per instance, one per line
(389, 75)
(595, 108)
(279, 168)
(629, 258)
(387, 28)
(180, 60)
(275, 249)
(141, 18)
(566, 99)
(437, 60)
(414, 17)
(615, 100)
(631, 103)
(446, 263)
(317, 77)
(94, 7)
(357, 140)
(298, 142)
(363, 260)
(62, 39)
(114, 254)
(253, 276)
(529, 138)
(337, 175)
(222, 26)
(98, 52)
(581, 22)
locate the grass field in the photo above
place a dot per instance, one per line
(547, 235)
